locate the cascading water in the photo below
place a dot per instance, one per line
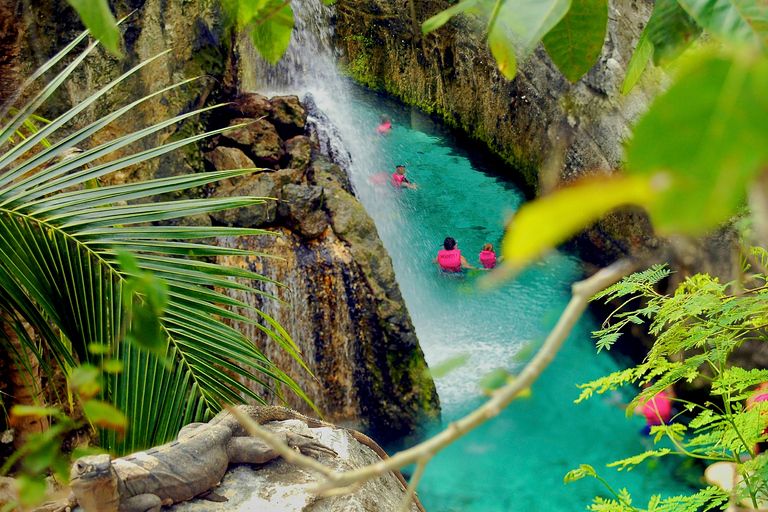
(516, 461)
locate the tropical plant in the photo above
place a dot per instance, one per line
(704, 321)
(60, 270)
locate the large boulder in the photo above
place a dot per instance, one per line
(258, 139)
(298, 152)
(300, 210)
(223, 158)
(263, 184)
(288, 116)
(249, 104)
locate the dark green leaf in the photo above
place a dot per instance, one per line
(575, 43)
(97, 17)
(671, 30)
(723, 19)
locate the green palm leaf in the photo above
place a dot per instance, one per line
(59, 270)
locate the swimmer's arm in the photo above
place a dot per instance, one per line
(434, 260)
(465, 264)
(408, 184)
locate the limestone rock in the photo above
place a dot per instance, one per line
(288, 116)
(298, 151)
(355, 335)
(249, 104)
(258, 139)
(223, 158)
(300, 207)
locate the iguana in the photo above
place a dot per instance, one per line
(188, 467)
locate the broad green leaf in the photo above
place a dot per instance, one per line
(530, 20)
(273, 33)
(575, 43)
(708, 135)
(97, 17)
(723, 19)
(671, 30)
(18, 411)
(501, 48)
(756, 14)
(105, 415)
(547, 222)
(441, 18)
(85, 381)
(638, 62)
(241, 13)
(447, 366)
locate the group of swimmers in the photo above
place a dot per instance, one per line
(450, 260)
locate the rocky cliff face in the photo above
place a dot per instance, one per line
(344, 308)
(451, 72)
(551, 131)
(347, 315)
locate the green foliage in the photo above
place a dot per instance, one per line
(739, 22)
(690, 163)
(60, 272)
(515, 27)
(671, 30)
(710, 163)
(574, 44)
(272, 33)
(697, 329)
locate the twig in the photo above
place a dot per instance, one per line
(421, 453)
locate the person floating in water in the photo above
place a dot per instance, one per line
(761, 395)
(488, 256)
(450, 259)
(385, 126)
(398, 179)
(657, 410)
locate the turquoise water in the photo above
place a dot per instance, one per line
(517, 461)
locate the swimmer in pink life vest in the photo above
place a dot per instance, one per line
(398, 179)
(657, 410)
(488, 256)
(450, 258)
(385, 125)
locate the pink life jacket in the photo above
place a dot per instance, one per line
(450, 261)
(488, 259)
(383, 127)
(397, 180)
(658, 406)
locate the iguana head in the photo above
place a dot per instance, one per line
(94, 482)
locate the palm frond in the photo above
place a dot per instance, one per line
(59, 270)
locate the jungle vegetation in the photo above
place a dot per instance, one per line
(694, 160)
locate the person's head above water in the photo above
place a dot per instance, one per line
(400, 169)
(384, 118)
(449, 244)
(488, 247)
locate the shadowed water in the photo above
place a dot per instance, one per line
(515, 462)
